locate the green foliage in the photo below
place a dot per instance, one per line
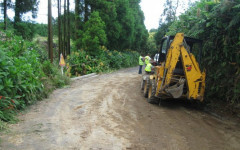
(162, 30)
(108, 13)
(218, 25)
(124, 25)
(151, 47)
(41, 29)
(57, 80)
(9, 24)
(94, 34)
(126, 20)
(72, 25)
(153, 30)
(80, 63)
(7, 112)
(25, 29)
(169, 11)
(24, 6)
(20, 71)
(23, 78)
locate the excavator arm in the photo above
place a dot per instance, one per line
(193, 77)
(172, 58)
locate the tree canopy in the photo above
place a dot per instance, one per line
(124, 21)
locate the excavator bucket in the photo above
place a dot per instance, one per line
(176, 90)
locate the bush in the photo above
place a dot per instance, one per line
(23, 78)
(25, 29)
(80, 63)
(53, 73)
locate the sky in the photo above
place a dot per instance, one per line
(154, 8)
(152, 11)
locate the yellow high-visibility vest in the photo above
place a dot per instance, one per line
(147, 60)
(140, 61)
(148, 68)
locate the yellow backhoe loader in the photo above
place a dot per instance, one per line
(177, 73)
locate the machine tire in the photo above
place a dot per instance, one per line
(146, 87)
(161, 101)
(151, 93)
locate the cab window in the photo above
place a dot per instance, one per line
(164, 47)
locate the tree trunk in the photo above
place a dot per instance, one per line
(68, 28)
(59, 29)
(86, 10)
(50, 33)
(5, 14)
(175, 13)
(77, 19)
(64, 30)
(17, 17)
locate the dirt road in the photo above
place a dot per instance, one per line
(109, 112)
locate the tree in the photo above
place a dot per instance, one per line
(170, 10)
(5, 14)
(23, 6)
(77, 18)
(140, 32)
(108, 13)
(59, 29)
(151, 46)
(153, 30)
(68, 28)
(50, 33)
(169, 15)
(5, 4)
(162, 30)
(126, 20)
(86, 10)
(64, 29)
(94, 34)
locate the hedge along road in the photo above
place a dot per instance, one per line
(109, 112)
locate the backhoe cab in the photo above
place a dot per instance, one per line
(177, 74)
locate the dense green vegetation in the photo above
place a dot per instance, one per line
(29, 30)
(123, 19)
(123, 23)
(24, 77)
(151, 46)
(80, 62)
(217, 23)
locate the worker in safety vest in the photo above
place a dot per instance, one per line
(148, 68)
(141, 63)
(147, 59)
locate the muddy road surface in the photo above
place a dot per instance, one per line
(108, 112)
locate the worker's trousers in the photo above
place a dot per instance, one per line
(140, 69)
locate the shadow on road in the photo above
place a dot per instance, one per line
(178, 103)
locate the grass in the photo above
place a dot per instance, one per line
(3, 126)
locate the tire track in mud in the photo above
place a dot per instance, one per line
(109, 112)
